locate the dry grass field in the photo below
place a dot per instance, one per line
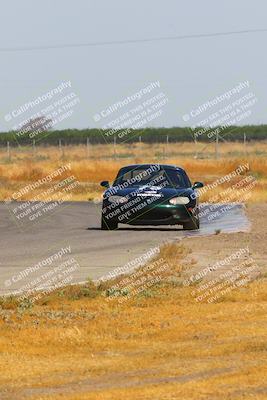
(161, 344)
(91, 165)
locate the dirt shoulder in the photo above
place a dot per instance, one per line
(206, 251)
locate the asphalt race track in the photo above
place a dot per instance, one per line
(76, 225)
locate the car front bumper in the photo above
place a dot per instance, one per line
(156, 214)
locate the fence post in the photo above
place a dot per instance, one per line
(167, 146)
(88, 146)
(114, 147)
(217, 146)
(61, 149)
(8, 151)
(245, 144)
(33, 147)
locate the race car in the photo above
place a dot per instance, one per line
(150, 194)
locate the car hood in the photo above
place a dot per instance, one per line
(157, 191)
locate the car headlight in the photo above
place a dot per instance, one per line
(179, 200)
(117, 199)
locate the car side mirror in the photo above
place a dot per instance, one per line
(197, 185)
(105, 184)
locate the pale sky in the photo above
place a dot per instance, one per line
(190, 71)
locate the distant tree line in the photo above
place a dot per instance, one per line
(148, 135)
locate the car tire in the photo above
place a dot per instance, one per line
(108, 225)
(191, 225)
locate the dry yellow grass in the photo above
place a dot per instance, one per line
(100, 164)
(158, 346)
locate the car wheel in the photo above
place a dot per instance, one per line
(192, 224)
(108, 225)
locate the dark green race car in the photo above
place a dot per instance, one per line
(150, 194)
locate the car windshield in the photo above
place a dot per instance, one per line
(151, 175)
